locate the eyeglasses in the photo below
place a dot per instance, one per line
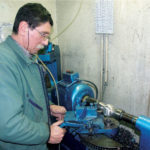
(44, 36)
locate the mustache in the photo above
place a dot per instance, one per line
(40, 46)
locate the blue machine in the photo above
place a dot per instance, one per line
(143, 124)
(86, 121)
(86, 115)
(76, 90)
(51, 57)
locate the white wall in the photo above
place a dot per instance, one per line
(128, 56)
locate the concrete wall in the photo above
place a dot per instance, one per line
(128, 55)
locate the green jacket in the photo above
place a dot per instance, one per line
(23, 113)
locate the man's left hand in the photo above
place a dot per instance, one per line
(58, 111)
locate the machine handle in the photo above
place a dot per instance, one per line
(74, 124)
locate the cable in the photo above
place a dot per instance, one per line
(37, 57)
(69, 23)
(28, 39)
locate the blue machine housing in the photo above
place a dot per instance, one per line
(143, 124)
(71, 91)
(51, 58)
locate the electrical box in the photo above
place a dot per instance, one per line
(104, 16)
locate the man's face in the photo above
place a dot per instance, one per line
(38, 37)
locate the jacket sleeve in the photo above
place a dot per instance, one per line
(15, 127)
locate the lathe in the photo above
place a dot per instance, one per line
(92, 124)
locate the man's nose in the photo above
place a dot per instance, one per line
(45, 42)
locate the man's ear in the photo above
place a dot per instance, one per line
(23, 28)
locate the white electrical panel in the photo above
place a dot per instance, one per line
(104, 16)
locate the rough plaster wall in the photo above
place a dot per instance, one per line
(79, 45)
(128, 56)
(9, 8)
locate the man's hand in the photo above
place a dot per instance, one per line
(57, 111)
(56, 133)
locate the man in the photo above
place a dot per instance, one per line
(24, 112)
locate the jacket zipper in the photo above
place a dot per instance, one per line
(45, 94)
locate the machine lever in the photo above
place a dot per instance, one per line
(74, 124)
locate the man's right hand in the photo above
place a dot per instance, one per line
(56, 133)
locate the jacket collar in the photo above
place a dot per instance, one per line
(19, 50)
